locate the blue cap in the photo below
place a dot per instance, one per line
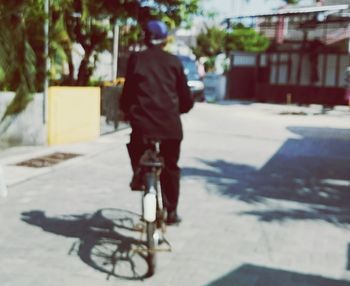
(156, 31)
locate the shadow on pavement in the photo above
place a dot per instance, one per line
(252, 275)
(312, 170)
(107, 239)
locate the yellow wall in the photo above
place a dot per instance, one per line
(73, 114)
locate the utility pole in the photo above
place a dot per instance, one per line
(115, 51)
(46, 52)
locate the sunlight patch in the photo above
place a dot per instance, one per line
(334, 182)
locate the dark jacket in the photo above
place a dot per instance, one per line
(155, 94)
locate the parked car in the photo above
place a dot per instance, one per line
(194, 80)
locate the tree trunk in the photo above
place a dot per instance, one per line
(84, 70)
(70, 79)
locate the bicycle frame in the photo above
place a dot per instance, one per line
(153, 212)
(152, 164)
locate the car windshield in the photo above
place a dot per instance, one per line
(190, 68)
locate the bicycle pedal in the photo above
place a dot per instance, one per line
(163, 241)
(161, 249)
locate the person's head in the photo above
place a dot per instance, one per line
(156, 33)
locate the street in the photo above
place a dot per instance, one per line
(264, 201)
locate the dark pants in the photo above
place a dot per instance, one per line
(170, 176)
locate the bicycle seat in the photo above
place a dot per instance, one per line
(151, 158)
(157, 164)
(151, 140)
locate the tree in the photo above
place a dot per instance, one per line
(85, 22)
(245, 39)
(209, 44)
(17, 57)
(215, 41)
(75, 22)
(89, 23)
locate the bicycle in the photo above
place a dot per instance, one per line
(153, 212)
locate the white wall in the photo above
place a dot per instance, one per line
(28, 127)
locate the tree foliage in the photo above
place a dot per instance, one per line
(85, 22)
(215, 41)
(17, 57)
(90, 24)
(245, 39)
(210, 43)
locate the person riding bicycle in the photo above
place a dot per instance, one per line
(155, 93)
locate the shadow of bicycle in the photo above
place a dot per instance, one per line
(108, 240)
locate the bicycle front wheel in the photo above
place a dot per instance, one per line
(151, 245)
(151, 226)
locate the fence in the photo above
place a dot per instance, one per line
(304, 69)
(303, 77)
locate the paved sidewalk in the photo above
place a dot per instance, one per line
(265, 192)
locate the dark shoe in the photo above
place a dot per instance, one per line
(136, 183)
(173, 218)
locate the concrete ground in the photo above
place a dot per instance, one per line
(265, 202)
